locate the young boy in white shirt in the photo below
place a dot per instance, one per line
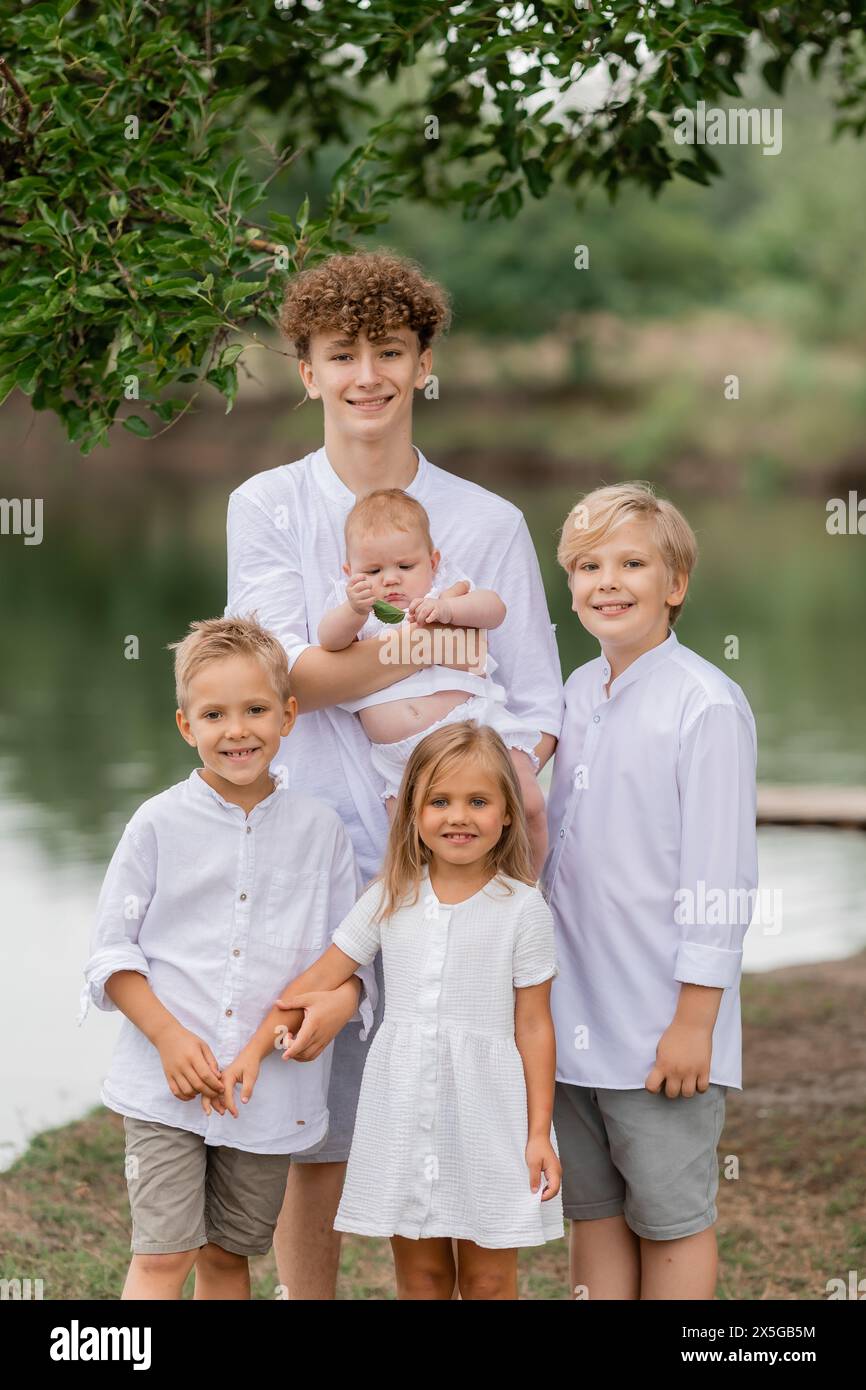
(651, 878)
(221, 888)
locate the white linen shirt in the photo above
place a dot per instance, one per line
(653, 852)
(219, 911)
(286, 541)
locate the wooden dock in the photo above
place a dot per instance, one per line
(842, 807)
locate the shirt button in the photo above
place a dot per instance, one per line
(249, 830)
(243, 897)
(228, 1013)
(596, 719)
(235, 952)
(562, 834)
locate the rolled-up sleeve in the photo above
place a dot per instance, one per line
(718, 861)
(264, 573)
(524, 645)
(346, 888)
(124, 898)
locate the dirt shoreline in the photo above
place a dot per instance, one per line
(792, 1196)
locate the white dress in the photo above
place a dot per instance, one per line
(441, 1128)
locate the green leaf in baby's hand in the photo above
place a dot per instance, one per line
(386, 612)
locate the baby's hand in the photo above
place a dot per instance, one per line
(359, 594)
(541, 1158)
(429, 610)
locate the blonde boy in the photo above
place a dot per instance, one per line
(652, 810)
(220, 889)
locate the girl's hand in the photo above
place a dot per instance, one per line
(682, 1060)
(541, 1158)
(325, 1013)
(243, 1072)
(429, 610)
(359, 594)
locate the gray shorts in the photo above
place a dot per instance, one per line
(347, 1069)
(640, 1155)
(184, 1193)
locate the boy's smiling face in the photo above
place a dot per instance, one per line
(235, 718)
(621, 591)
(366, 388)
(397, 563)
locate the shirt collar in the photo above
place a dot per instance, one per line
(333, 486)
(641, 667)
(203, 789)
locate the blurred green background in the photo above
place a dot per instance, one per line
(552, 380)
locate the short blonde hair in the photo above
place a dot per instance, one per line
(601, 511)
(388, 508)
(212, 639)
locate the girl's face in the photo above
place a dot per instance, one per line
(463, 814)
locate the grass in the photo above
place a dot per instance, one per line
(790, 1208)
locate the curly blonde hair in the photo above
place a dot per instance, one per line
(369, 291)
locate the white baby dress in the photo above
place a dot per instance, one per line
(441, 1128)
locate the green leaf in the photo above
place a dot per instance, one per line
(136, 425)
(241, 288)
(231, 354)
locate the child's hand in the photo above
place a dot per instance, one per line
(325, 1013)
(217, 1104)
(359, 593)
(189, 1065)
(682, 1060)
(541, 1158)
(243, 1072)
(429, 610)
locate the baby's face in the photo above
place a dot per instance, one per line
(397, 563)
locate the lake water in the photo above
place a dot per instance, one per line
(86, 735)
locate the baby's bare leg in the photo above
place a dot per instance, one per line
(534, 807)
(684, 1268)
(604, 1259)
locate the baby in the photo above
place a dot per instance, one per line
(391, 557)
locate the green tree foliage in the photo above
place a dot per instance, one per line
(130, 256)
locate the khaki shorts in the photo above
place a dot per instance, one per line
(184, 1193)
(640, 1155)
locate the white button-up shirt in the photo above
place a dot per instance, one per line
(219, 911)
(652, 868)
(285, 545)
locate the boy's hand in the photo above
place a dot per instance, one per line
(682, 1060)
(359, 593)
(243, 1072)
(324, 1015)
(429, 610)
(189, 1065)
(541, 1158)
